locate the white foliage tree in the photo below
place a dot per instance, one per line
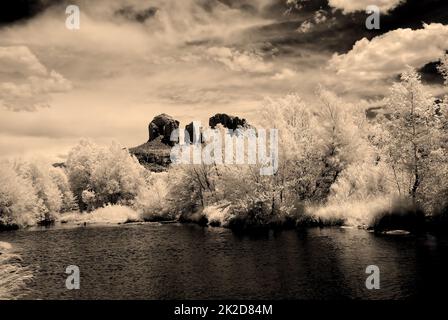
(343, 142)
(38, 173)
(152, 199)
(298, 149)
(60, 178)
(411, 127)
(103, 175)
(19, 204)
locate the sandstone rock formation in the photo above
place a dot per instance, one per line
(190, 129)
(229, 122)
(162, 125)
(155, 153)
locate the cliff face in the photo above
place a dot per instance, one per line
(155, 153)
(162, 126)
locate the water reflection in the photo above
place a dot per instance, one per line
(173, 261)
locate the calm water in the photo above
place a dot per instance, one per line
(154, 261)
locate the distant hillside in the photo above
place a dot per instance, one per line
(153, 155)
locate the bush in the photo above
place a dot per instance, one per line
(110, 214)
(114, 214)
(152, 200)
(103, 175)
(19, 204)
(403, 215)
(46, 189)
(438, 222)
(362, 182)
(361, 213)
(257, 215)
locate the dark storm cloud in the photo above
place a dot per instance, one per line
(15, 10)
(336, 35)
(293, 28)
(414, 12)
(132, 13)
(12, 11)
(430, 73)
(240, 5)
(411, 14)
(339, 32)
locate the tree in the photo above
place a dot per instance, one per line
(316, 144)
(103, 175)
(411, 125)
(60, 179)
(38, 173)
(152, 200)
(436, 190)
(341, 139)
(19, 204)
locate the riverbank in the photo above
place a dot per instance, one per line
(397, 222)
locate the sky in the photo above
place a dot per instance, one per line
(133, 59)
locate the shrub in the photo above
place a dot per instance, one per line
(403, 215)
(19, 204)
(103, 175)
(152, 200)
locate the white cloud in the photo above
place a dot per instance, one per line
(284, 74)
(320, 16)
(16, 59)
(191, 59)
(239, 61)
(305, 27)
(25, 83)
(388, 55)
(349, 6)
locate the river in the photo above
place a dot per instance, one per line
(182, 261)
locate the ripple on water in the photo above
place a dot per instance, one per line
(173, 261)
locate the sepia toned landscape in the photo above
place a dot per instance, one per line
(220, 149)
